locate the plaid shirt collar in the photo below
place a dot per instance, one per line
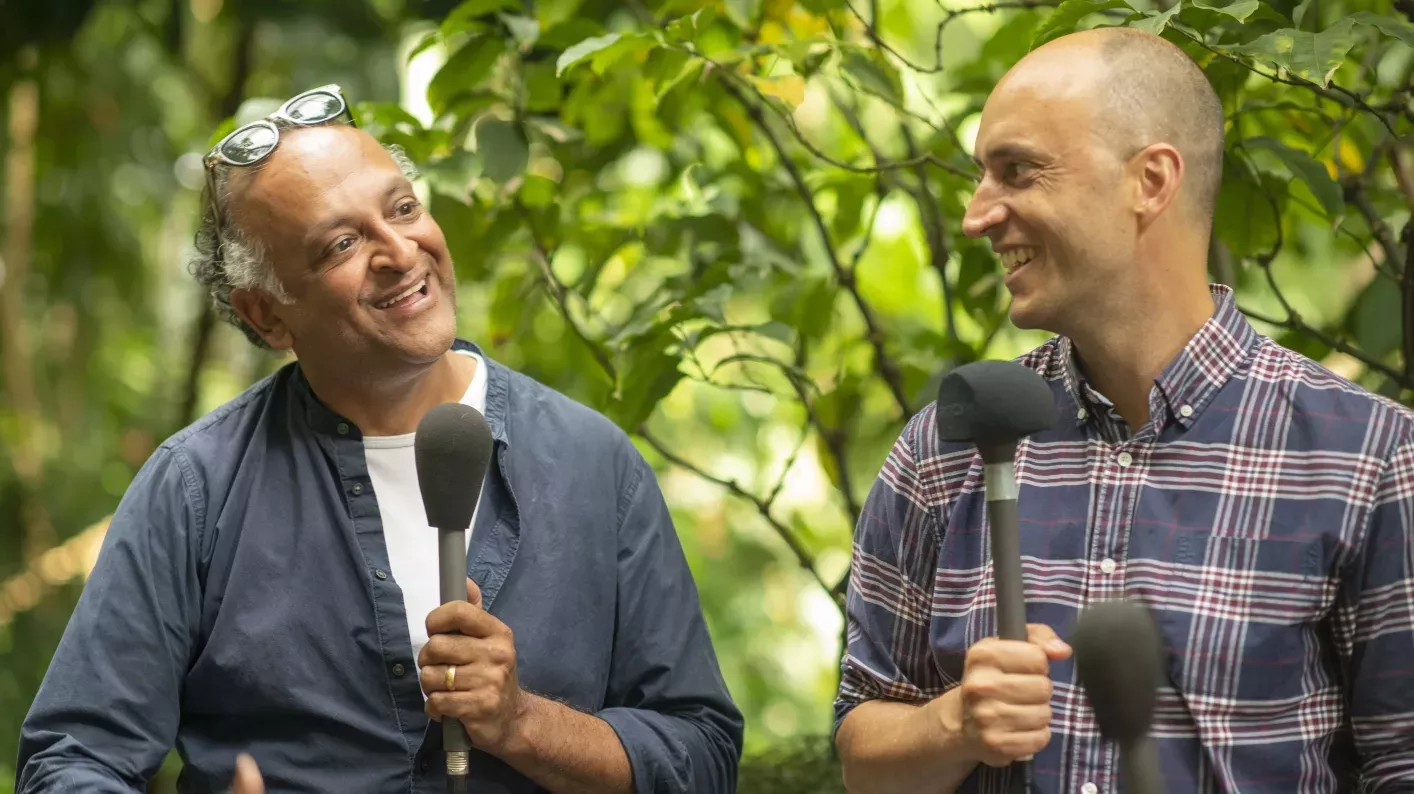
(1223, 345)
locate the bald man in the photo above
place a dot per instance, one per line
(1258, 504)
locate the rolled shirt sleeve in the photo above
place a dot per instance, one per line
(108, 709)
(667, 701)
(888, 606)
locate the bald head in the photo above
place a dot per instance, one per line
(1144, 90)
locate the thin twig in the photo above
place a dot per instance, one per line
(951, 15)
(1295, 323)
(802, 554)
(557, 291)
(888, 369)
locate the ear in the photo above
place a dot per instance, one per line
(1159, 172)
(262, 313)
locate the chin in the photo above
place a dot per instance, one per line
(1028, 316)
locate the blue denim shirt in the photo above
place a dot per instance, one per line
(243, 602)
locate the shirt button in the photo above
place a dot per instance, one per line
(343, 428)
(424, 765)
(1089, 788)
(397, 669)
(381, 574)
(357, 489)
(1080, 414)
(1107, 565)
(1125, 459)
(1186, 411)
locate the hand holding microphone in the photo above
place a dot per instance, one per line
(994, 404)
(453, 450)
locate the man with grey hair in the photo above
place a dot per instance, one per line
(267, 595)
(1259, 506)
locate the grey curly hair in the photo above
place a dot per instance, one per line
(237, 260)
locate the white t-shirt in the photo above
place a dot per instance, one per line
(412, 544)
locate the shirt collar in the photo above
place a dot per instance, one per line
(327, 422)
(1190, 382)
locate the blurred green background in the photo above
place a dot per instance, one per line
(732, 226)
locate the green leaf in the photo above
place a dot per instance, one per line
(1303, 167)
(1245, 219)
(1068, 14)
(1388, 25)
(503, 149)
(743, 13)
(876, 75)
(525, 29)
(1156, 21)
(646, 376)
(453, 175)
(1240, 10)
(1374, 318)
(464, 71)
(582, 50)
(537, 191)
(542, 88)
(463, 17)
(1312, 56)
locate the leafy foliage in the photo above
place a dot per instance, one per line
(732, 226)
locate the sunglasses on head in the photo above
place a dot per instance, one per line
(251, 143)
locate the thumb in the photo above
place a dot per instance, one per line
(1042, 635)
(248, 779)
(473, 593)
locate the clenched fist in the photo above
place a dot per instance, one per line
(1004, 711)
(485, 693)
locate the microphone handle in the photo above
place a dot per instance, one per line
(1139, 762)
(451, 559)
(1000, 481)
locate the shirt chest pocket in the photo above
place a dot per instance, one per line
(1242, 616)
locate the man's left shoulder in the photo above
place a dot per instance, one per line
(1316, 391)
(538, 414)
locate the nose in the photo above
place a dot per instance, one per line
(394, 250)
(984, 212)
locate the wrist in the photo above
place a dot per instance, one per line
(946, 727)
(518, 736)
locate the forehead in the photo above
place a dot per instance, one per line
(1046, 102)
(313, 162)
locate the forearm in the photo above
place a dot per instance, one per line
(888, 747)
(567, 751)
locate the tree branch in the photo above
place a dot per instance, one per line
(931, 213)
(887, 368)
(938, 33)
(557, 292)
(802, 554)
(1295, 323)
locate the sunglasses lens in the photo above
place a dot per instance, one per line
(251, 145)
(316, 108)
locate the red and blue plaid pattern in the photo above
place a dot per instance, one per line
(1265, 514)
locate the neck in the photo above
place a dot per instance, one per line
(1127, 346)
(393, 404)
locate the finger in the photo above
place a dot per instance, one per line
(434, 678)
(1008, 656)
(1003, 748)
(1016, 690)
(1009, 718)
(247, 779)
(1040, 634)
(445, 649)
(464, 617)
(473, 593)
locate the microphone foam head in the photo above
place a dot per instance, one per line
(993, 402)
(453, 449)
(1119, 661)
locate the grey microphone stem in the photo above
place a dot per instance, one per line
(451, 559)
(1139, 764)
(1000, 482)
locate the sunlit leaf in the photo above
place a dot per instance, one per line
(464, 71)
(465, 16)
(1239, 10)
(525, 29)
(576, 54)
(1388, 24)
(503, 149)
(538, 192)
(1307, 170)
(743, 13)
(788, 88)
(1155, 21)
(1311, 56)
(1069, 13)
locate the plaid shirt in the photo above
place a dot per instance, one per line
(1265, 514)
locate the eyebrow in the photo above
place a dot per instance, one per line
(1008, 151)
(316, 232)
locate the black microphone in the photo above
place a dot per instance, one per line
(1119, 662)
(453, 450)
(993, 405)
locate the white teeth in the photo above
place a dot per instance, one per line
(1016, 257)
(414, 288)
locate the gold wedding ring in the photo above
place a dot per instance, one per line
(451, 677)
